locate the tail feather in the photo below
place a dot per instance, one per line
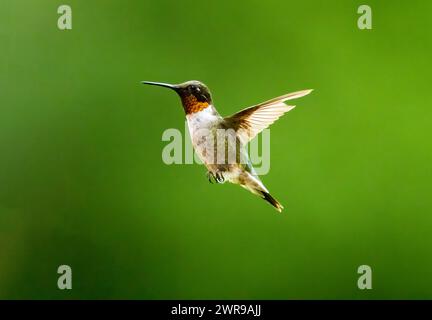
(254, 185)
(267, 196)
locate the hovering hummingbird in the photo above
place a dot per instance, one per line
(207, 129)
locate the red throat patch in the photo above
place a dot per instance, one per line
(192, 105)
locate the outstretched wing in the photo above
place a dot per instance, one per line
(251, 121)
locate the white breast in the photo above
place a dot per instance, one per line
(201, 128)
(204, 119)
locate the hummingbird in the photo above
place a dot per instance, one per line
(220, 142)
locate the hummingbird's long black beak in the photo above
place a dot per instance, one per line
(161, 84)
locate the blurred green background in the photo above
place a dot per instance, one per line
(82, 181)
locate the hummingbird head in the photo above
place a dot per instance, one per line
(195, 95)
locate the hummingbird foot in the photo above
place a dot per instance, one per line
(219, 177)
(210, 176)
(216, 176)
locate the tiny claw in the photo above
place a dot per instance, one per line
(216, 176)
(210, 176)
(219, 177)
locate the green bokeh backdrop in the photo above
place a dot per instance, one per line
(82, 181)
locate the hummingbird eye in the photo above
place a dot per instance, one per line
(198, 92)
(195, 90)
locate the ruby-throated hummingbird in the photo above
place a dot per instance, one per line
(220, 142)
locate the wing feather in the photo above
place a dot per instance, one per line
(251, 121)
